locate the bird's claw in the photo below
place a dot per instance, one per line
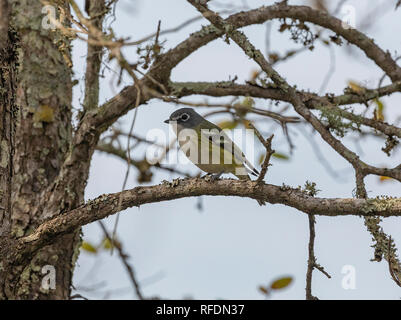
(212, 177)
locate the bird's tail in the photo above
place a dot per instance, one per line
(246, 177)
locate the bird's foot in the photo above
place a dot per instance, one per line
(213, 177)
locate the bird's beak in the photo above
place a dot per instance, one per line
(166, 121)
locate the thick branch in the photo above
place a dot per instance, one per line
(106, 205)
(312, 101)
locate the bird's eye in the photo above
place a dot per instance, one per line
(184, 117)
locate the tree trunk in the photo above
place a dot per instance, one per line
(43, 93)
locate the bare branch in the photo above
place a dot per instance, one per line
(96, 10)
(124, 258)
(106, 205)
(269, 151)
(311, 259)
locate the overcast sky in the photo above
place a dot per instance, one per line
(232, 246)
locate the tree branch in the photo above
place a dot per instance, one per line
(311, 100)
(162, 67)
(97, 11)
(124, 259)
(311, 258)
(106, 205)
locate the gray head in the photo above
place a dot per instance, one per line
(185, 117)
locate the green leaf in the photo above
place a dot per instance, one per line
(280, 156)
(88, 247)
(281, 283)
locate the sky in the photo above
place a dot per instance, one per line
(232, 246)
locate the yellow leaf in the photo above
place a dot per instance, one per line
(355, 87)
(107, 244)
(227, 124)
(88, 247)
(379, 110)
(281, 283)
(43, 113)
(384, 178)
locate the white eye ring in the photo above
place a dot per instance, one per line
(184, 117)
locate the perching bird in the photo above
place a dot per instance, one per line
(208, 147)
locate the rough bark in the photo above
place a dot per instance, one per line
(42, 138)
(8, 66)
(8, 62)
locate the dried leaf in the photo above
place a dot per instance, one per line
(254, 74)
(281, 283)
(273, 57)
(263, 289)
(284, 27)
(355, 87)
(384, 178)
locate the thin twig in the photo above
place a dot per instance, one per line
(269, 151)
(124, 259)
(312, 264)
(126, 174)
(311, 258)
(393, 274)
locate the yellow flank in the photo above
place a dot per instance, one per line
(209, 156)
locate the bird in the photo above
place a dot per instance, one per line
(208, 147)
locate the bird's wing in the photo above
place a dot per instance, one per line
(220, 138)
